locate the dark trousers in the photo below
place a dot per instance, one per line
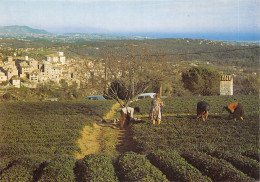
(124, 120)
(238, 112)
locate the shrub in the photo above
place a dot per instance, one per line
(59, 169)
(254, 154)
(245, 164)
(97, 167)
(4, 162)
(201, 80)
(135, 167)
(16, 172)
(175, 167)
(217, 169)
(21, 169)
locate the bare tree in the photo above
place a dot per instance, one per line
(135, 69)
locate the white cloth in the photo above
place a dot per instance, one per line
(128, 110)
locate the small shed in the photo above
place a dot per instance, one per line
(226, 85)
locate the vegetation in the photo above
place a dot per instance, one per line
(59, 169)
(96, 167)
(201, 81)
(181, 131)
(135, 167)
(217, 169)
(175, 167)
(39, 140)
(46, 128)
(248, 166)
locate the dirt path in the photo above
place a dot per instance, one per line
(105, 137)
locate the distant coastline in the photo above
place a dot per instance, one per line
(232, 36)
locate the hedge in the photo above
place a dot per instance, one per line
(96, 167)
(254, 154)
(248, 166)
(60, 169)
(135, 167)
(20, 169)
(216, 169)
(175, 167)
(16, 173)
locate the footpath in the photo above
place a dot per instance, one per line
(105, 137)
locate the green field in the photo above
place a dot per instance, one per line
(38, 140)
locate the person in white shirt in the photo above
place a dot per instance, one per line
(127, 114)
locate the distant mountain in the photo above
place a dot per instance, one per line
(28, 33)
(15, 29)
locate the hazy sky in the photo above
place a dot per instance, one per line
(133, 15)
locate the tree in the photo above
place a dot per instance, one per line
(201, 80)
(251, 85)
(133, 70)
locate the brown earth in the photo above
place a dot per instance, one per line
(106, 137)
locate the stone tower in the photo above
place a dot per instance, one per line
(226, 85)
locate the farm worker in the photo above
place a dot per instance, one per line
(236, 109)
(203, 110)
(156, 110)
(127, 114)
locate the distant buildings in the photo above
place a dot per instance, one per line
(53, 68)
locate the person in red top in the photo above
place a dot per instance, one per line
(236, 109)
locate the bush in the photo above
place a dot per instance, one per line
(217, 169)
(97, 167)
(59, 169)
(16, 172)
(175, 167)
(245, 164)
(253, 154)
(201, 80)
(135, 167)
(21, 169)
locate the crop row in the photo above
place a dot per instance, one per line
(217, 169)
(188, 105)
(157, 166)
(186, 133)
(247, 165)
(46, 128)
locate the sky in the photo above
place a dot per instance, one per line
(239, 17)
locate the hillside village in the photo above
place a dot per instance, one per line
(28, 72)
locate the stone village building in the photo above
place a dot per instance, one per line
(53, 68)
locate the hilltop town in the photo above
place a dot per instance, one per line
(29, 72)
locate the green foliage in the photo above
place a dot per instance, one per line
(135, 167)
(245, 164)
(188, 105)
(175, 167)
(217, 169)
(59, 169)
(4, 83)
(201, 80)
(46, 128)
(252, 153)
(98, 167)
(16, 173)
(180, 129)
(251, 85)
(20, 169)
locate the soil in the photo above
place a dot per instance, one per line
(106, 137)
